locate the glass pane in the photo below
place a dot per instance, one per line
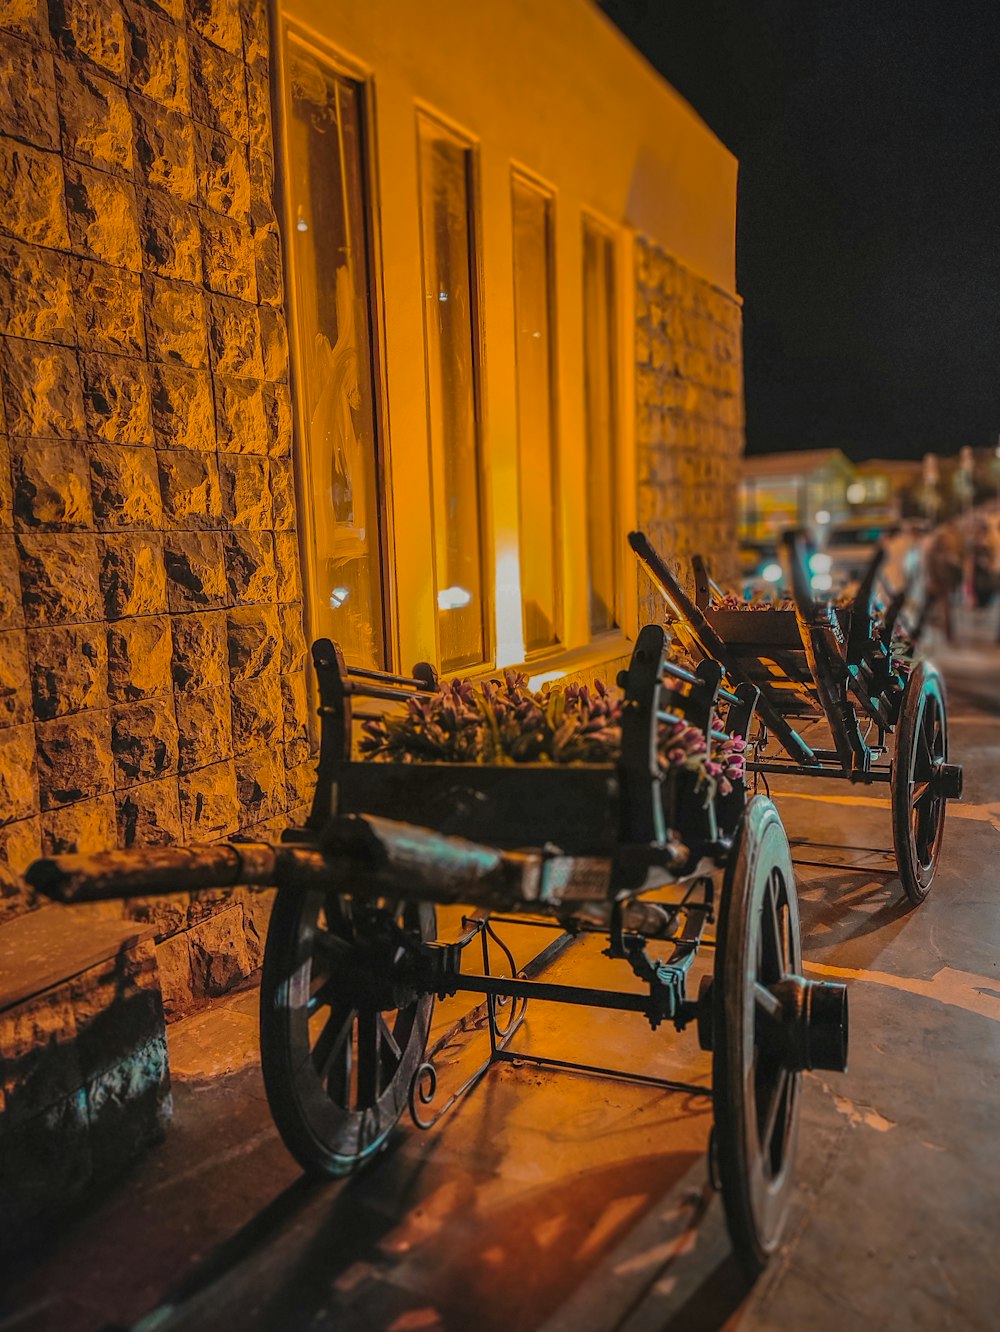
(327, 188)
(449, 321)
(535, 414)
(600, 388)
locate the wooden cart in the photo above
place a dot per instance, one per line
(353, 961)
(843, 666)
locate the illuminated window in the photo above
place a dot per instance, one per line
(328, 194)
(451, 336)
(601, 393)
(537, 463)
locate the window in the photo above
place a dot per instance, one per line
(600, 422)
(330, 254)
(451, 337)
(536, 433)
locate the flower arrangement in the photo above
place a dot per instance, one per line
(503, 721)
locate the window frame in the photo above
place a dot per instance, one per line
(292, 34)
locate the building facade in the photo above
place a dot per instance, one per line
(377, 321)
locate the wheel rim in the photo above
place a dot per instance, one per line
(918, 805)
(346, 1025)
(926, 808)
(756, 1092)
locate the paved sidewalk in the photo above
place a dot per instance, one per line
(554, 1203)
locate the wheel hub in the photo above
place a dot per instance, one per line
(811, 1024)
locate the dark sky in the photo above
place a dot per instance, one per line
(868, 232)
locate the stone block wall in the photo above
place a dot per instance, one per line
(152, 658)
(689, 417)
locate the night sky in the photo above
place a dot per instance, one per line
(868, 233)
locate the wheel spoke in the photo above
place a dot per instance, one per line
(765, 1000)
(918, 792)
(771, 1119)
(774, 947)
(332, 1039)
(331, 947)
(388, 1038)
(323, 997)
(369, 1057)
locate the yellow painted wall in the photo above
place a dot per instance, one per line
(549, 86)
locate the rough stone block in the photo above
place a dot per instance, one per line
(171, 237)
(295, 718)
(300, 787)
(31, 185)
(42, 390)
(36, 299)
(282, 494)
(268, 262)
(133, 579)
(103, 221)
(173, 962)
(254, 642)
(164, 148)
(158, 58)
(11, 610)
(40, 1067)
(175, 322)
(234, 338)
(256, 38)
(80, 829)
(15, 692)
(293, 639)
(59, 578)
(241, 422)
(6, 488)
(223, 173)
(260, 785)
(69, 667)
(205, 728)
(228, 256)
(200, 651)
(20, 844)
(286, 559)
(144, 741)
(128, 1106)
(262, 193)
(184, 412)
(250, 567)
(125, 487)
(31, 113)
(196, 573)
(117, 399)
(274, 343)
(209, 808)
(257, 714)
(218, 89)
(278, 415)
(259, 107)
(96, 123)
(149, 815)
(219, 957)
(51, 487)
(92, 32)
(189, 486)
(218, 21)
(246, 491)
(18, 774)
(26, 18)
(139, 658)
(108, 308)
(74, 758)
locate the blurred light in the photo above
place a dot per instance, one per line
(822, 516)
(822, 582)
(856, 492)
(338, 596)
(442, 295)
(820, 563)
(453, 598)
(771, 573)
(301, 224)
(547, 677)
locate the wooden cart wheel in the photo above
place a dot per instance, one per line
(918, 807)
(756, 1101)
(342, 1029)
